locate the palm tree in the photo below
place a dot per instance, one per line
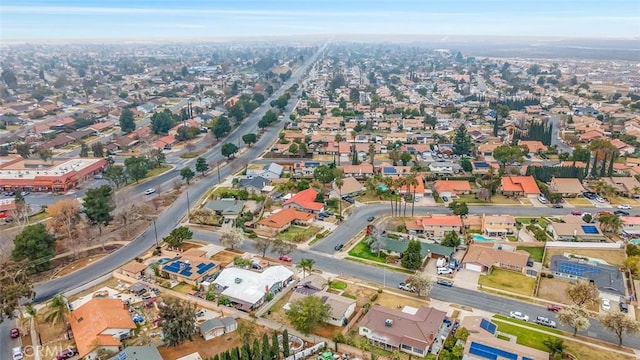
(610, 223)
(371, 185)
(599, 186)
(339, 182)
(338, 139)
(57, 310)
(399, 183)
(353, 146)
(372, 153)
(306, 265)
(556, 347)
(388, 182)
(412, 180)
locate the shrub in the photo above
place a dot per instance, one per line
(374, 297)
(550, 276)
(544, 275)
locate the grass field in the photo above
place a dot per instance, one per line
(508, 281)
(362, 250)
(338, 285)
(581, 202)
(535, 252)
(298, 234)
(157, 171)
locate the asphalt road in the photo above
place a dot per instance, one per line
(6, 342)
(555, 136)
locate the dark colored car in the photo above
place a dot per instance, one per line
(557, 206)
(370, 218)
(66, 354)
(339, 247)
(621, 213)
(443, 282)
(624, 307)
(15, 333)
(554, 308)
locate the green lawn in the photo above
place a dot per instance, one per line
(470, 199)
(527, 220)
(157, 171)
(535, 252)
(338, 285)
(508, 281)
(526, 336)
(512, 238)
(362, 250)
(298, 233)
(183, 288)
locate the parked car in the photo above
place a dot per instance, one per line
(444, 282)
(406, 287)
(624, 307)
(589, 195)
(576, 213)
(149, 191)
(15, 333)
(621, 213)
(541, 320)
(558, 206)
(339, 247)
(600, 199)
(445, 199)
(554, 308)
(370, 218)
(348, 199)
(624, 207)
(17, 353)
(518, 315)
(67, 354)
(25, 193)
(606, 305)
(444, 271)
(542, 199)
(285, 258)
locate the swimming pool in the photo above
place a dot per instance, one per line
(635, 241)
(480, 238)
(163, 261)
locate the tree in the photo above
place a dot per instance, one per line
(451, 239)
(338, 139)
(405, 157)
(395, 156)
(84, 150)
(556, 347)
(583, 293)
(116, 175)
(306, 265)
(36, 245)
(246, 331)
(262, 245)
(575, 317)
(45, 154)
(507, 154)
(462, 144)
(178, 235)
(306, 313)
(65, 217)
(293, 149)
(98, 149)
(412, 255)
(178, 319)
(187, 174)
(57, 310)
(162, 122)
(610, 223)
(98, 206)
(127, 121)
(466, 165)
(421, 283)
(275, 346)
(15, 284)
(22, 209)
(232, 238)
(137, 167)
(285, 343)
(156, 157)
(228, 150)
(250, 139)
(619, 323)
(24, 150)
(339, 182)
(459, 208)
(324, 174)
(201, 165)
(282, 247)
(221, 127)
(266, 347)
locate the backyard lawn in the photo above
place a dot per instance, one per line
(527, 220)
(535, 252)
(362, 250)
(298, 234)
(183, 288)
(508, 281)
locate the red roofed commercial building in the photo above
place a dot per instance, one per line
(435, 225)
(7, 207)
(519, 186)
(305, 200)
(18, 174)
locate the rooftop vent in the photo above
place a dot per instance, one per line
(238, 280)
(388, 323)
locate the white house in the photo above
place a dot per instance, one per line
(247, 289)
(213, 328)
(341, 307)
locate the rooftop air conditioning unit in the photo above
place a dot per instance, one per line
(238, 280)
(388, 323)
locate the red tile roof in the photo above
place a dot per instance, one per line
(306, 199)
(520, 184)
(441, 220)
(285, 217)
(454, 186)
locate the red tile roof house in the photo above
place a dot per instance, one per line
(305, 200)
(435, 225)
(519, 186)
(412, 331)
(452, 188)
(282, 220)
(482, 258)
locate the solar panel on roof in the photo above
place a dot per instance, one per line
(487, 325)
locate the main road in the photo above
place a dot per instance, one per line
(174, 214)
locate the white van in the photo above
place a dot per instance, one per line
(17, 352)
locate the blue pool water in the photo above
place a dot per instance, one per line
(163, 261)
(480, 238)
(635, 241)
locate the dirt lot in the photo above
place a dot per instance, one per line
(393, 301)
(78, 265)
(555, 290)
(206, 348)
(613, 257)
(223, 258)
(112, 283)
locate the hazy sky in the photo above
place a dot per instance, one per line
(194, 19)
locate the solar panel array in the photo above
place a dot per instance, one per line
(488, 352)
(203, 268)
(578, 269)
(185, 269)
(488, 325)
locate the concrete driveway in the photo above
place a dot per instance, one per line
(467, 279)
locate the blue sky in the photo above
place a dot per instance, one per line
(200, 19)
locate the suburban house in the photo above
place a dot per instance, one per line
(192, 267)
(567, 187)
(255, 184)
(410, 330)
(609, 279)
(100, 323)
(305, 200)
(452, 188)
(7, 208)
(350, 187)
(227, 207)
(147, 352)
(247, 289)
(427, 250)
(419, 189)
(133, 269)
(435, 225)
(342, 308)
(480, 167)
(269, 171)
(213, 328)
(573, 228)
(281, 220)
(630, 226)
(360, 171)
(519, 186)
(627, 186)
(498, 225)
(623, 148)
(444, 168)
(304, 168)
(482, 258)
(533, 146)
(483, 343)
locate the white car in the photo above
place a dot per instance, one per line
(518, 315)
(600, 200)
(542, 199)
(444, 271)
(606, 305)
(149, 191)
(624, 207)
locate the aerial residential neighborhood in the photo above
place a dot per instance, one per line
(316, 197)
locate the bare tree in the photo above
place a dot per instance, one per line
(422, 284)
(283, 247)
(262, 245)
(65, 217)
(619, 323)
(232, 238)
(128, 210)
(576, 317)
(583, 293)
(201, 216)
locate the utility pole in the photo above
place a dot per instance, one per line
(218, 168)
(188, 204)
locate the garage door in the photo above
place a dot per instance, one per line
(474, 267)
